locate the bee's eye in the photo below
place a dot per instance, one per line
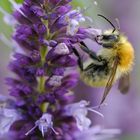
(110, 37)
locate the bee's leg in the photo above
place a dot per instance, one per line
(80, 63)
(89, 52)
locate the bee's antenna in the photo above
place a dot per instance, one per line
(114, 28)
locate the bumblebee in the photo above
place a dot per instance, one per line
(114, 61)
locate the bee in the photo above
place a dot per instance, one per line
(114, 61)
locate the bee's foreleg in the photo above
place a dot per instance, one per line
(92, 54)
(80, 62)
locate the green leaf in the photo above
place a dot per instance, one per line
(5, 4)
(19, 1)
(78, 3)
(131, 137)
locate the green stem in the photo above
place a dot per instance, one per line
(42, 79)
(43, 52)
(41, 83)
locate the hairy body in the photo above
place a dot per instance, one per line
(97, 73)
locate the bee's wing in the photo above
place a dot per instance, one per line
(110, 80)
(124, 83)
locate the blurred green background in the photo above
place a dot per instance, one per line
(122, 111)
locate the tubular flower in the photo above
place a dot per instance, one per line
(46, 31)
(43, 124)
(79, 111)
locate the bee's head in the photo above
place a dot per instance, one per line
(109, 37)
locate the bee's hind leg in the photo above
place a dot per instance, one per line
(80, 62)
(89, 52)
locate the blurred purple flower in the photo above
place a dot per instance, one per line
(7, 18)
(97, 133)
(79, 111)
(7, 117)
(8, 114)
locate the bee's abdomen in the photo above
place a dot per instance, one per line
(96, 75)
(126, 55)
